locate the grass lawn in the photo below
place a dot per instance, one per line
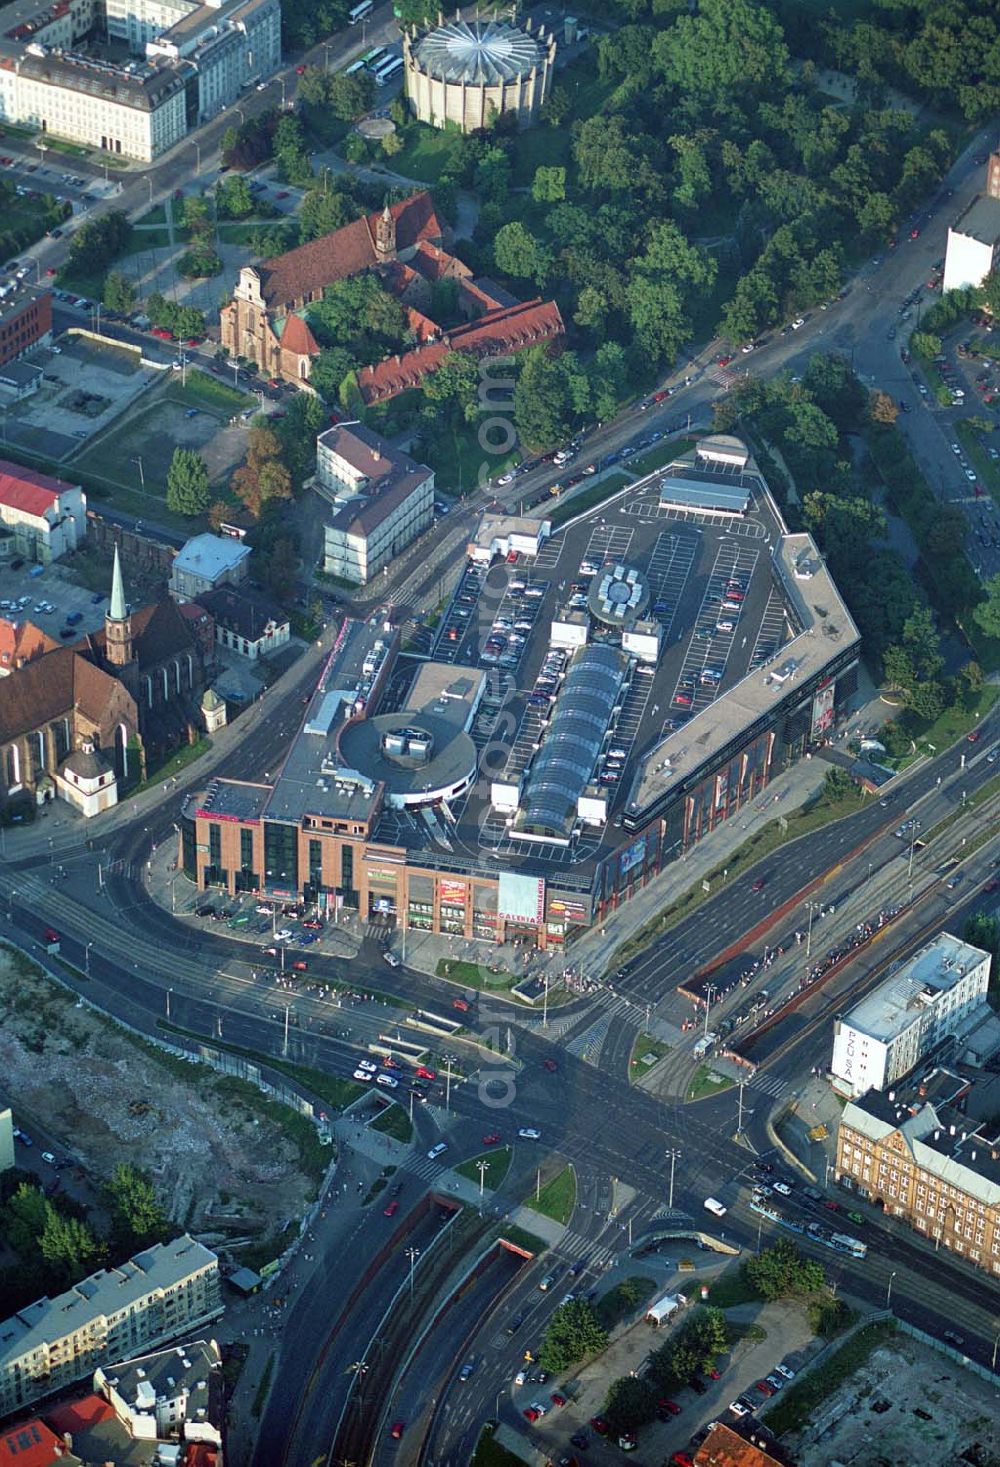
(798, 1402)
(581, 500)
(498, 1163)
(662, 454)
(393, 1121)
(731, 1288)
(427, 152)
(539, 147)
(473, 975)
(987, 468)
(626, 1296)
(174, 765)
(645, 1052)
(557, 1198)
(204, 391)
(458, 460)
(707, 1082)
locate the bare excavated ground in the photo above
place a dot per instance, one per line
(907, 1406)
(223, 1168)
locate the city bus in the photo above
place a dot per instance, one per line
(361, 11)
(388, 71)
(844, 1243)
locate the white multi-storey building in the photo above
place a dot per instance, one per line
(166, 1291)
(192, 59)
(899, 1023)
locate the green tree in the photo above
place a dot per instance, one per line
(548, 185)
(135, 1212)
(349, 97)
(187, 483)
(119, 293)
(233, 199)
(574, 1333)
(329, 370)
(782, 1271)
(630, 1403)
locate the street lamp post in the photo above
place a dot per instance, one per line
(710, 993)
(672, 1155)
(888, 1292)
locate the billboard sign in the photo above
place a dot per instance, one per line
(521, 898)
(632, 855)
(822, 709)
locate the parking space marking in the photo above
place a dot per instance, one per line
(710, 653)
(774, 630)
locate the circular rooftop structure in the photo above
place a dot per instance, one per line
(466, 72)
(420, 756)
(618, 595)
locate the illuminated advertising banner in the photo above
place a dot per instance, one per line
(521, 898)
(822, 712)
(632, 855)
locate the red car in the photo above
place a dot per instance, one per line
(392, 1209)
(557, 1398)
(398, 1427)
(492, 1138)
(300, 965)
(600, 1425)
(423, 1073)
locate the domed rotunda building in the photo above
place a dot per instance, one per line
(465, 72)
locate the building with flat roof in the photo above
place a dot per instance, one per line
(165, 1291)
(930, 998)
(973, 243)
(46, 517)
(929, 1165)
(638, 708)
(383, 498)
(205, 562)
(188, 61)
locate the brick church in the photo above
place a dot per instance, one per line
(266, 321)
(83, 721)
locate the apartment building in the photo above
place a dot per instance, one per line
(166, 1291)
(191, 60)
(932, 996)
(384, 499)
(926, 1162)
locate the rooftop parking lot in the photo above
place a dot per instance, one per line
(707, 582)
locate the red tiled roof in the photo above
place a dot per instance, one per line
(296, 336)
(509, 329)
(724, 1447)
(21, 641)
(27, 490)
(297, 274)
(30, 1444)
